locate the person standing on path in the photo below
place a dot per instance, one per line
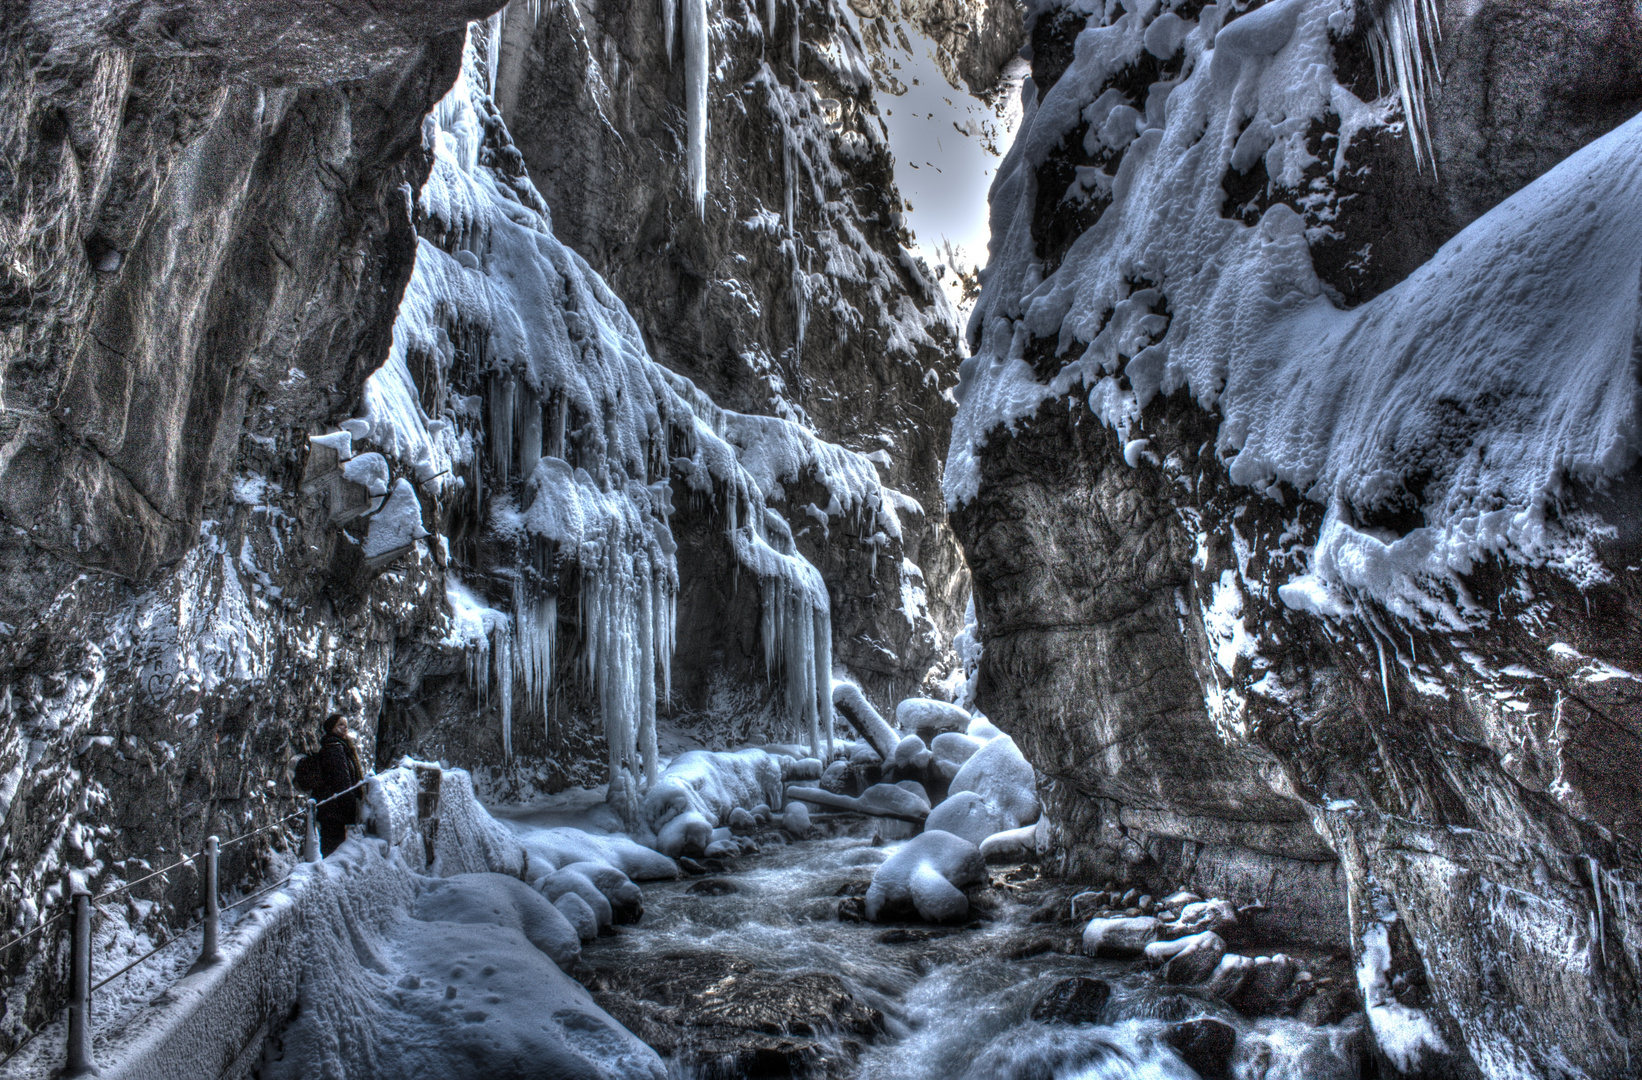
(340, 771)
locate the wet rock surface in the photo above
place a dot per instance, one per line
(722, 1017)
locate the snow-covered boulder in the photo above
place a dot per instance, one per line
(560, 882)
(709, 786)
(1003, 777)
(804, 768)
(854, 707)
(1188, 960)
(1216, 915)
(911, 753)
(550, 849)
(796, 820)
(500, 900)
(982, 728)
(1119, 937)
(970, 816)
(626, 899)
(927, 714)
(951, 749)
(686, 834)
(577, 912)
(887, 799)
(924, 874)
(1012, 845)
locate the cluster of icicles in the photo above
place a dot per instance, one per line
(564, 453)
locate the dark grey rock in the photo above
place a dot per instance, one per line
(1205, 1045)
(1078, 1000)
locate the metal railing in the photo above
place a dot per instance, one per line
(81, 902)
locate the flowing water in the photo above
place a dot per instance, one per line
(953, 1002)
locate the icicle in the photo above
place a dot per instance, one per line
(695, 92)
(528, 425)
(503, 656)
(1385, 682)
(669, 27)
(646, 678)
(797, 56)
(501, 427)
(823, 673)
(1398, 42)
(1595, 869)
(770, 9)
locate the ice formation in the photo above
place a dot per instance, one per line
(1404, 1034)
(1404, 31)
(1355, 409)
(518, 396)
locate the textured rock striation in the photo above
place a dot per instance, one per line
(1217, 656)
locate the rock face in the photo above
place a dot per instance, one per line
(1447, 799)
(207, 235)
(210, 216)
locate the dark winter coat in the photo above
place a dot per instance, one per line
(340, 769)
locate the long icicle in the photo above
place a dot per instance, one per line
(695, 103)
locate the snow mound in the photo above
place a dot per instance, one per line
(499, 900)
(1473, 396)
(908, 878)
(1001, 775)
(925, 714)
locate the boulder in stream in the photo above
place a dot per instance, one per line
(1076, 1000)
(927, 874)
(1119, 937)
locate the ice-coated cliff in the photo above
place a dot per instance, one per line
(1296, 466)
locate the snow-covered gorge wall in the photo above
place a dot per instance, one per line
(555, 458)
(1298, 484)
(789, 293)
(243, 485)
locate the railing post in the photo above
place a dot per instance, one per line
(429, 780)
(310, 839)
(79, 1002)
(208, 886)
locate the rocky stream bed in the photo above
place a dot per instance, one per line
(763, 966)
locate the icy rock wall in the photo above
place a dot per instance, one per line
(519, 394)
(1250, 594)
(791, 294)
(207, 237)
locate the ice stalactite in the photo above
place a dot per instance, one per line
(1403, 34)
(669, 27)
(696, 63)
